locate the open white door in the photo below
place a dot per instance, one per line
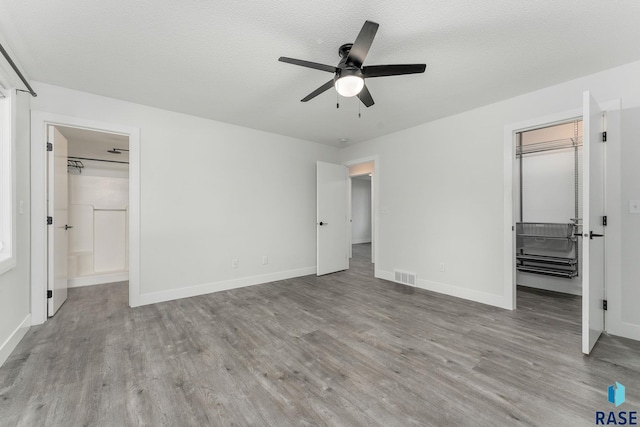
(592, 229)
(58, 208)
(331, 221)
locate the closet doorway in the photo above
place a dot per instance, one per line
(549, 245)
(98, 166)
(89, 193)
(548, 212)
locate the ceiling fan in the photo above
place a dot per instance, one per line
(349, 75)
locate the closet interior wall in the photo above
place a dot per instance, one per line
(548, 208)
(98, 210)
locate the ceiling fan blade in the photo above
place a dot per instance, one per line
(392, 70)
(308, 64)
(328, 85)
(361, 46)
(365, 97)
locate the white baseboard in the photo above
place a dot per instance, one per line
(454, 291)
(207, 288)
(101, 279)
(358, 241)
(549, 283)
(625, 330)
(12, 342)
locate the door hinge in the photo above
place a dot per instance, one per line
(604, 136)
(49, 294)
(604, 220)
(49, 220)
(604, 304)
(49, 146)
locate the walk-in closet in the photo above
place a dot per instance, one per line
(98, 184)
(549, 208)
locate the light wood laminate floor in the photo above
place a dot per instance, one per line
(343, 349)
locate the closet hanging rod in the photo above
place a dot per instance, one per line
(15, 68)
(97, 160)
(538, 147)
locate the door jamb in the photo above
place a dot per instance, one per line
(39, 122)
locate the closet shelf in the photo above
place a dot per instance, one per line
(547, 259)
(544, 229)
(547, 248)
(549, 271)
(78, 253)
(547, 237)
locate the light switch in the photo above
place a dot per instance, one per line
(634, 206)
(21, 207)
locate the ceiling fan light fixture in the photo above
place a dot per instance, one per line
(349, 85)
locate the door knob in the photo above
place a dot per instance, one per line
(66, 227)
(323, 223)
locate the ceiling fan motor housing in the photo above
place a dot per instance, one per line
(344, 50)
(347, 71)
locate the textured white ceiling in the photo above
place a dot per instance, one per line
(218, 59)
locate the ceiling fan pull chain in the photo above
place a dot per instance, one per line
(359, 115)
(337, 101)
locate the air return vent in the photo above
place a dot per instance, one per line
(405, 277)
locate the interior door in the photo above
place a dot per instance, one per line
(58, 208)
(592, 229)
(331, 220)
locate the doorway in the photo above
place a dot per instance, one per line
(548, 209)
(88, 203)
(334, 213)
(361, 212)
(98, 175)
(591, 266)
(111, 265)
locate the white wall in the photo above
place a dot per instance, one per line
(14, 284)
(211, 192)
(360, 210)
(442, 184)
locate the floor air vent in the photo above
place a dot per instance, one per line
(405, 277)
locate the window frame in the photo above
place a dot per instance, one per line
(7, 180)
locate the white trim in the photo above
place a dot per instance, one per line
(626, 330)
(375, 204)
(8, 181)
(39, 122)
(454, 291)
(207, 288)
(614, 323)
(510, 131)
(350, 241)
(78, 282)
(12, 342)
